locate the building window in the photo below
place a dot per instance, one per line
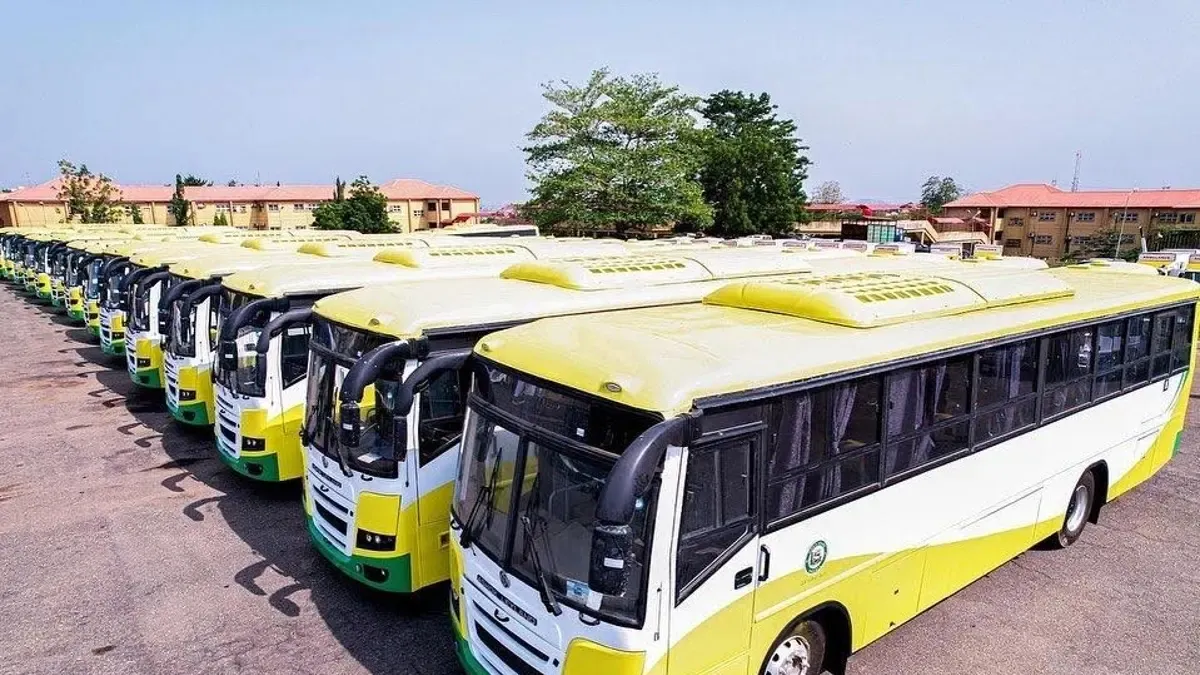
(446, 206)
(1047, 216)
(1125, 217)
(1043, 239)
(222, 208)
(396, 208)
(1012, 243)
(1085, 216)
(200, 206)
(1167, 218)
(1187, 219)
(418, 213)
(1016, 221)
(431, 206)
(241, 208)
(272, 207)
(298, 207)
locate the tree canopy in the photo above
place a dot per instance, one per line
(615, 154)
(179, 207)
(939, 191)
(829, 192)
(364, 210)
(753, 167)
(89, 197)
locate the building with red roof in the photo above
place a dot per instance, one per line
(412, 204)
(1047, 222)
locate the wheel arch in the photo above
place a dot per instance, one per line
(835, 619)
(1100, 474)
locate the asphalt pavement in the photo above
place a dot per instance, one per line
(126, 547)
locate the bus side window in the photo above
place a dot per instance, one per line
(717, 507)
(440, 418)
(1068, 371)
(1007, 379)
(1182, 344)
(293, 357)
(1110, 354)
(827, 446)
(1160, 344)
(929, 410)
(1137, 350)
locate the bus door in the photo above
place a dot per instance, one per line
(718, 563)
(436, 436)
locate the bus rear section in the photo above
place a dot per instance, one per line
(810, 464)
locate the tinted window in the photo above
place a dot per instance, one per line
(1137, 338)
(1160, 345)
(1068, 356)
(1181, 344)
(716, 505)
(293, 357)
(923, 396)
(827, 445)
(442, 408)
(1109, 345)
(1007, 373)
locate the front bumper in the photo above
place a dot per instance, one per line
(144, 362)
(398, 570)
(189, 393)
(263, 466)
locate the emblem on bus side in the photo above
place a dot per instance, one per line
(816, 557)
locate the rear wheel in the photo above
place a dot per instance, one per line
(1078, 510)
(800, 652)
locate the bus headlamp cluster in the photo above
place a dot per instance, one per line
(372, 541)
(187, 394)
(254, 444)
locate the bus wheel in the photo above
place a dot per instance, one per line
(800, 652)
(1078, 510)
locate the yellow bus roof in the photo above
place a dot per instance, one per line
(211, 265)
(469, 258)
(665, 359)
(530, 290)
(1117, 266)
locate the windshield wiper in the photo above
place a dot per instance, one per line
(548, 598)
(484, 497)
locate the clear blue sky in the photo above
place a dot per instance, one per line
(884, 93)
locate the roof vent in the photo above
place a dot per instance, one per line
(868, 300)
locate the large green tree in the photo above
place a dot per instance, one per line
(364, 210)
(939, 191)
(615, 154)
(754, 165)
(90, 197)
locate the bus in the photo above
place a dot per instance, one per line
(377, 500)
(189, 313)
(116, 277)
(260, 379)
(769, 480)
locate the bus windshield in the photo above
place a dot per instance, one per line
(332, 351)
(554, 451)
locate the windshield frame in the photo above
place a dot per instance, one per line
(549, 441)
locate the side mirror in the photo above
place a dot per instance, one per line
(351, 425)
(611, 559)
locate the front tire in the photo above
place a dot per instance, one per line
(1079, 508)
(800, 652)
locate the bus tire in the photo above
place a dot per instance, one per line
(801, 651)
(1079, 511)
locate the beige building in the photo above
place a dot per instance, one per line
(1046, 222)
(412, 205)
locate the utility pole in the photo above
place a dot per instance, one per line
(1075, 179)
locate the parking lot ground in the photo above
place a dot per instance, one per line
(125, 547)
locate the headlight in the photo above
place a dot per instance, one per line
(371, 541)
(187, 394)
(254, 444)
(143, 363)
